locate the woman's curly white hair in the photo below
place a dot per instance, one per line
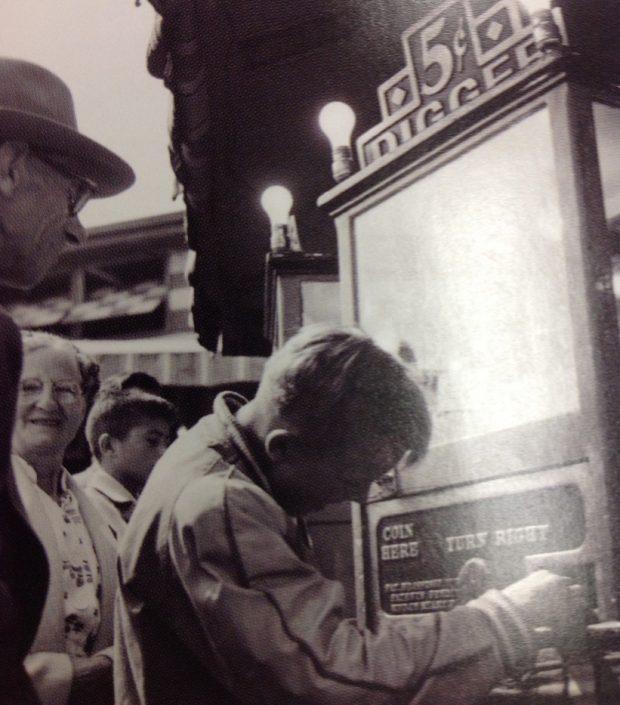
(89, 369)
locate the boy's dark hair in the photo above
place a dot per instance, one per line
(335, 384)
(118, 412)
(125, 381)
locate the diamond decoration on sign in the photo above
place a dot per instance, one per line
(494, 30)
(397, 96)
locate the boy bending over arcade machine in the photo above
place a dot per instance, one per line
(219, 602)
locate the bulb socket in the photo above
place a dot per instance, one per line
(546, 32)
(280, 241)
(342, 162)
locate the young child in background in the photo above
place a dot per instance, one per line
(127, 431)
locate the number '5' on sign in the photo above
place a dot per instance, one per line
(436, 53)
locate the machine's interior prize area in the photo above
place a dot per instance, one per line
(474, 255)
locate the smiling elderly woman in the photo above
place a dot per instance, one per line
(70, 661)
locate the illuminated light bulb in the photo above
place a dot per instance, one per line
(337, 121)
(277, 202)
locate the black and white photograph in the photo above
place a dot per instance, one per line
(310, 352)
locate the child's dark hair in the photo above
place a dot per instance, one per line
(126, 381)
(117, 413)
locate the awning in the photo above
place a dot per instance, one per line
(138, 300)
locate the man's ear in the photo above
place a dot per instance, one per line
(105, 443)
(12, 162)
(277, 444)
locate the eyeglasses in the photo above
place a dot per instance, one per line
(83, 189)
(64, 391)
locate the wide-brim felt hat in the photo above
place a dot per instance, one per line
(36, 107)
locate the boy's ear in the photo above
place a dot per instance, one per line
(105, 443)
(278, 444)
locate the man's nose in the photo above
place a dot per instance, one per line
(74, 231)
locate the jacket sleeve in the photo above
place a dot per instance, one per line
(274, 626)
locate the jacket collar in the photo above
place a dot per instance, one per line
(246, 453)
(242, 449)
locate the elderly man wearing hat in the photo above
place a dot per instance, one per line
(48, 171)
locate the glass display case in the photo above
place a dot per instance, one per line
(477, 270)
